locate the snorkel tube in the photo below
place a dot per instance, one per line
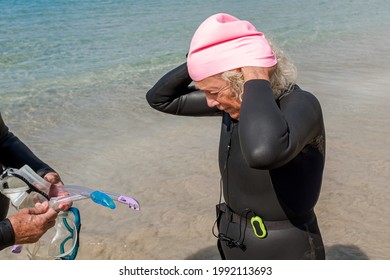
(34, 183)
(103, 198)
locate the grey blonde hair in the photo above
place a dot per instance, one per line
(282, 80)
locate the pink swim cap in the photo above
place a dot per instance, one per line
(223, 42)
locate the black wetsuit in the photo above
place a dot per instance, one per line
(271, 163)
(14, 153)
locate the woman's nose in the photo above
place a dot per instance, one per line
(211, 102)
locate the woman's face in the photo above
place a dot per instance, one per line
(219, 94)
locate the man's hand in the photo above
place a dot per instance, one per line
(55, 189)
(29, 224)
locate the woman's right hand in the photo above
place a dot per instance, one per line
(256, 72)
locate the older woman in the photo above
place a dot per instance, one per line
(272, 144)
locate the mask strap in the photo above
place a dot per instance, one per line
(31, 186)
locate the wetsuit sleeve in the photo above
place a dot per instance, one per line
(271, 135)
(173, 94)
(7, 236)
(14, 153)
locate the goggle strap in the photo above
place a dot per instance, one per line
(31, 186)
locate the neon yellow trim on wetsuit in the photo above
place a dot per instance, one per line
(261, 225)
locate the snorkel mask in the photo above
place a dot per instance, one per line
(60, 242)
(25, 188)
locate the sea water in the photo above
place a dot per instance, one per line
(74, 75)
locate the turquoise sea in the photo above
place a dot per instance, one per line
(73, 80)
